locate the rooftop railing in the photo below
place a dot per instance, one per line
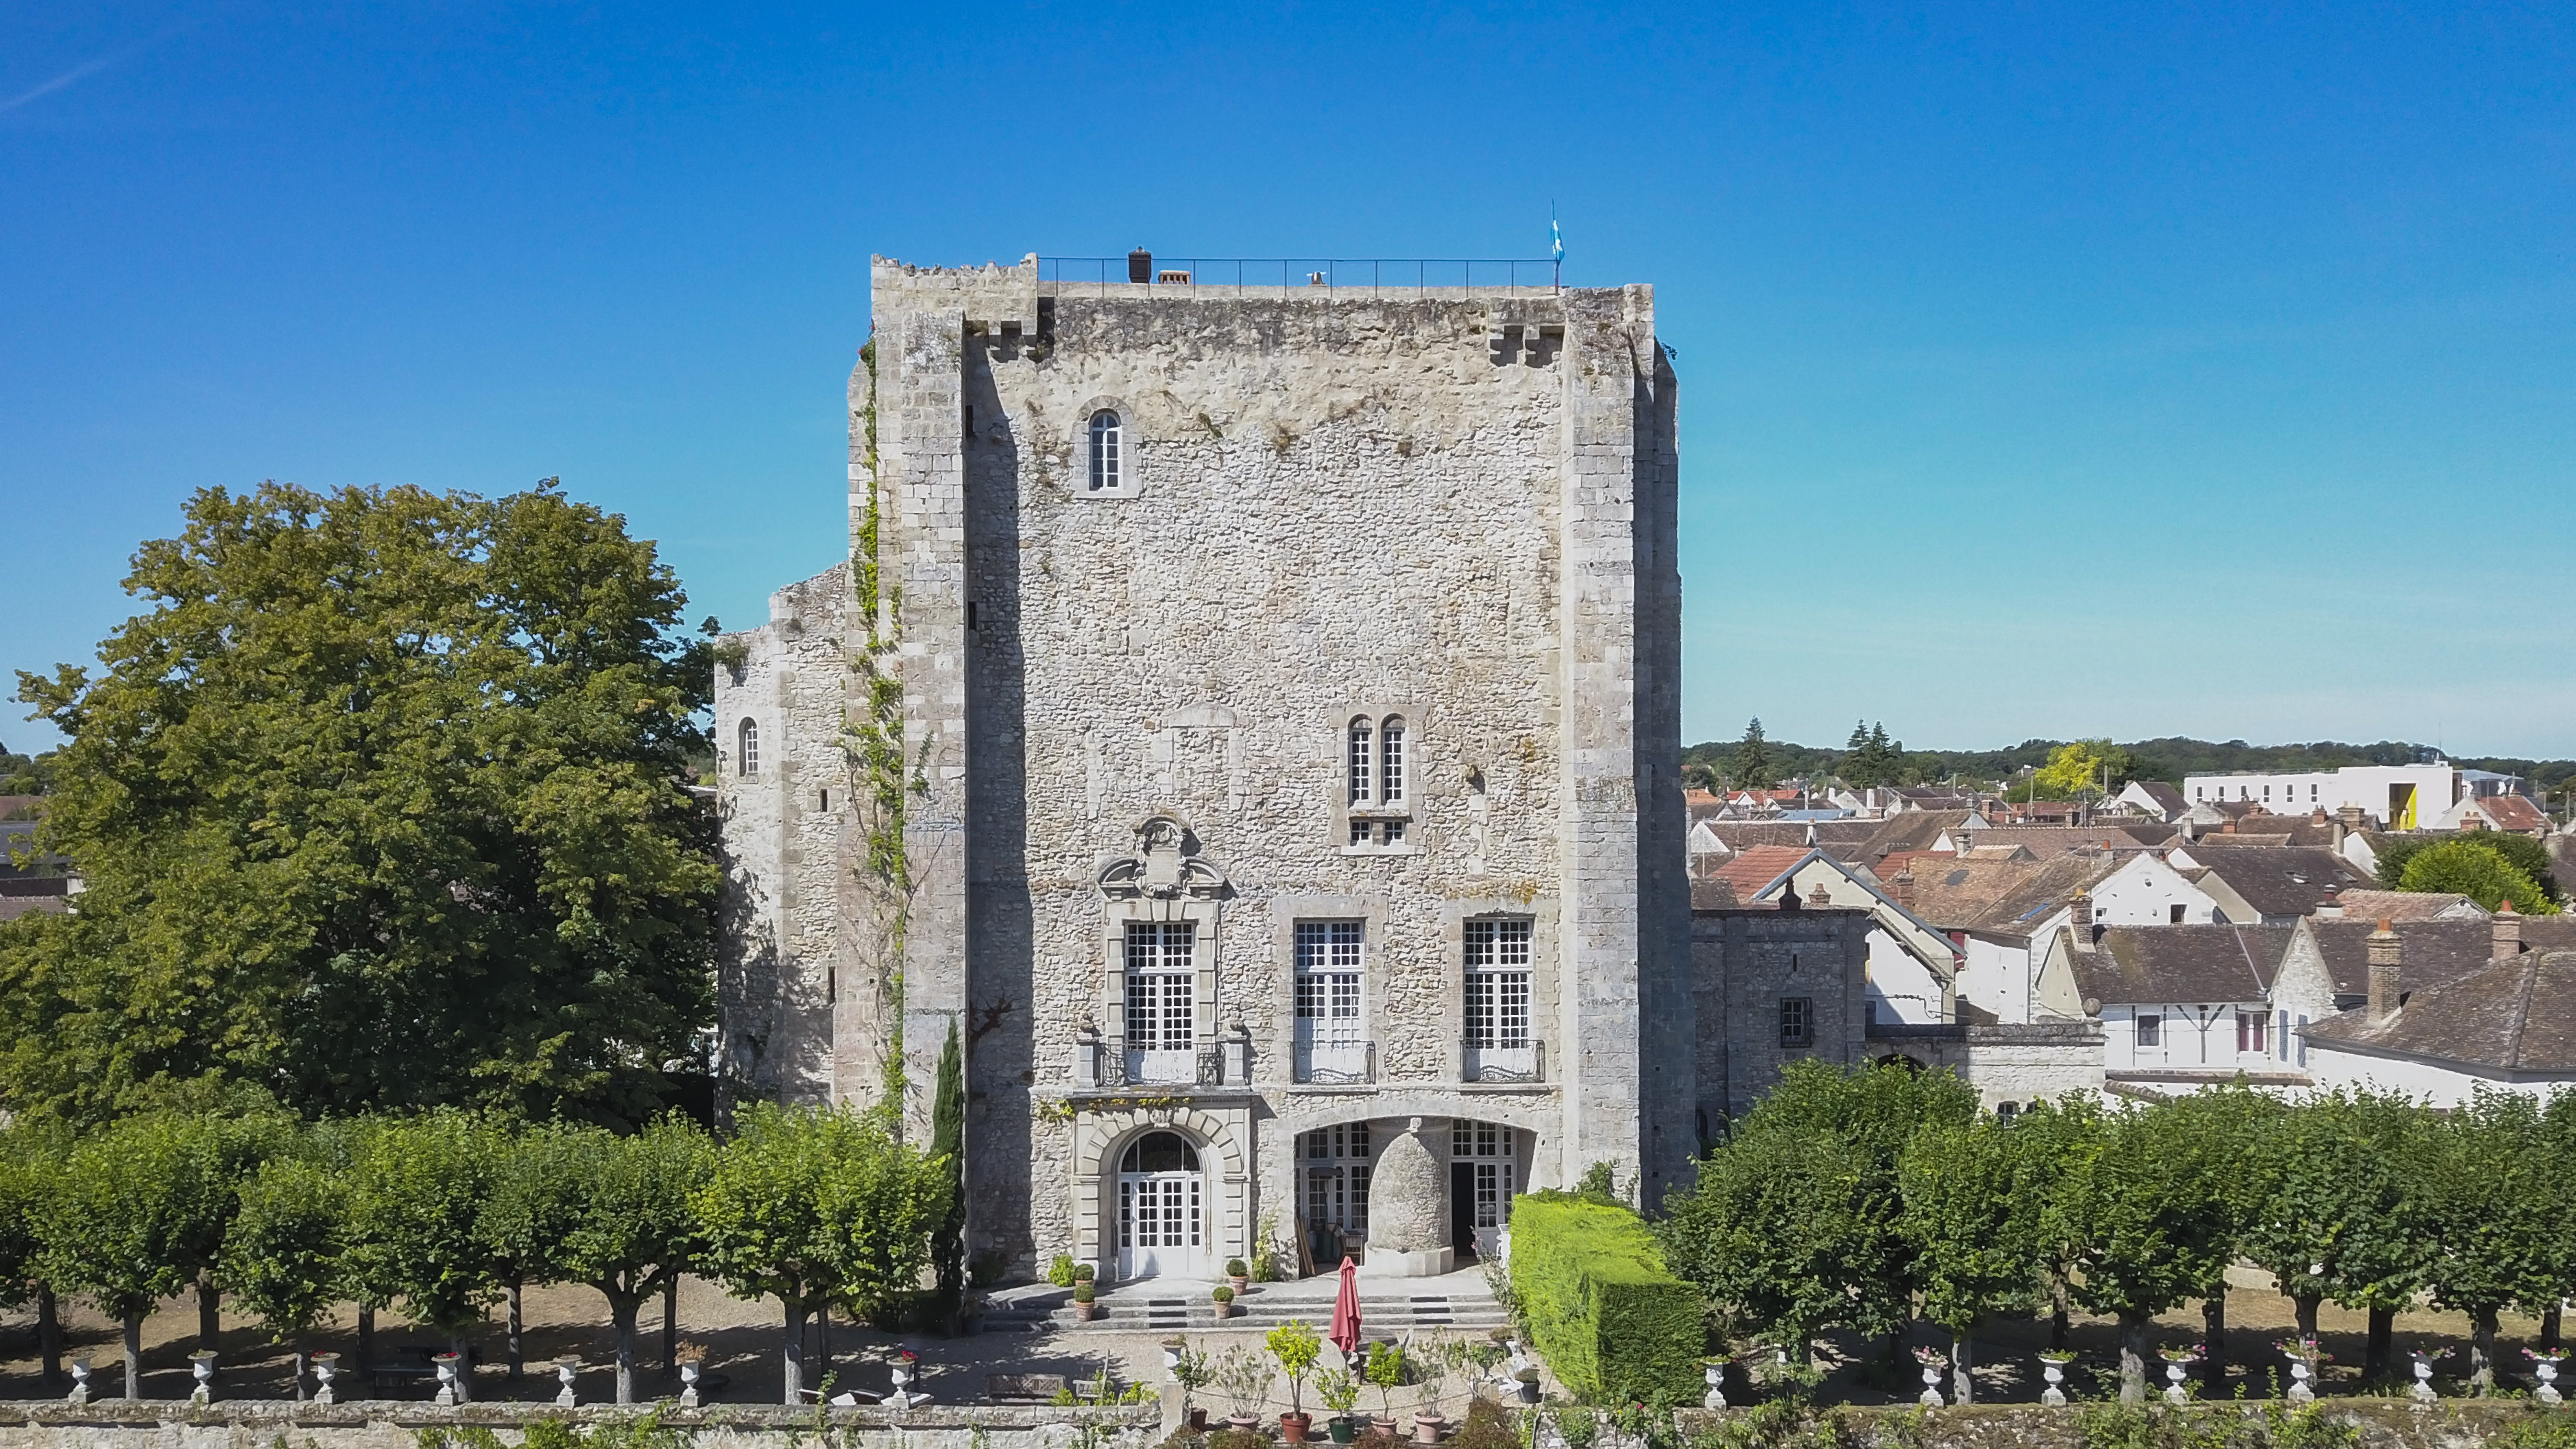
(1291, 276)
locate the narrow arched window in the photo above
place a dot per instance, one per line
(1363, 752)
(1106, 438)
(1390, 761)
(747, 749)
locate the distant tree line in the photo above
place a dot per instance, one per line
(26, 774)
(1864, 1200)
(1870, 757)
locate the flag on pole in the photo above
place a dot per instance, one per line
(1555, 234)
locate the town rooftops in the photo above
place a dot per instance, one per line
(2007, 897)
(2514, 1017)
(2058, 839)
(2277, 880)
(2512, 812)
(2371, 905)
(2435, 951)
(2181, 963)
(1751, 870)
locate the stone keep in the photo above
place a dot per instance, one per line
(1086, 749)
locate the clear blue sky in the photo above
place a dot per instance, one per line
(2046, 370)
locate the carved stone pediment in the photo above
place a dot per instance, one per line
(1164, 867)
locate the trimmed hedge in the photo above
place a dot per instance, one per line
(1602, 1310)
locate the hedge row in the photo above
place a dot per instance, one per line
(1601, 1308)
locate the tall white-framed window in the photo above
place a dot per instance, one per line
(1330, 1031)
(1390, 760)
(1499, 1045)
(1335, 1163)
(1483, 1153)
(1162, 1004)
(1362, 758)
(1108, 444)
(746, 748)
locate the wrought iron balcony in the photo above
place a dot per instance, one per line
(1522, 1060)
(1335, 1063)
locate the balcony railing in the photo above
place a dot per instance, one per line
(1282, 277)
(1521, 1061)
(1162, 1067)
(1334, 1063)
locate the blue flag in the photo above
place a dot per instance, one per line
(1555, 234)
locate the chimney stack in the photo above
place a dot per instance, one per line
(2387, 973)
(1818, 897)
(2352, 817)
(1901, 889)
(2507, 933)
(2083, 920)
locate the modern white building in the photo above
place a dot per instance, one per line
(2397, 797)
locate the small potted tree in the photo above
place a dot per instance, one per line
(1385, 1371)
(1085, 1301)
(1340, 1391)
(1238, 1274)
(1223, 1297)
(1190, 1370)
(1435, 1364)
(1296, 1345)
(1245, 1377)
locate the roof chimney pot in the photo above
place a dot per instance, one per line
(2387, 973)
(2506, 932)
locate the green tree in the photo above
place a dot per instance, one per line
(2332, 1215)
(2230, 1123)
(2053, 1145)
(815, 1207)
(31, 1162)
(534, 1203)
(2155, 1225)
(1753, 767)
(2475, 869)
(948, 1146)
(1975, 1238)
(416, 1193)
(2490, 1216)
(2082, 768)
(2521, 852)
(283, 1256)
(633, 1231)
(1795, 1222)
(134, 1215)
(380, 802)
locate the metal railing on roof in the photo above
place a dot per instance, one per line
(1253, 276)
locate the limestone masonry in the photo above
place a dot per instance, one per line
(1252, 722)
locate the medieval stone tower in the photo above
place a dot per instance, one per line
(1250, 718)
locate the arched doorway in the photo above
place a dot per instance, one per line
(1162, 1216)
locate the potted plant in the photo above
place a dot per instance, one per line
(1084, 1305)
(1224, 1299)
(1245, 1376)
(2052, 1367)
(1296, 1345)
(2545, 1363)
(1238, 1274)
(1933, 1361)
(1437, 1361)
(1190, 1370)
(1340, 1391)
(1385, 1370)
(1060, 1272)
(2304, 1354)
(1525, 1382)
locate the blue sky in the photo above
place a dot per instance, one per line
(2047, 370)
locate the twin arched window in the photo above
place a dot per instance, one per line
(1107, 440)
(1376, 765)
(747, 749)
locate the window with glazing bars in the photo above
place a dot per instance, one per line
(1105, 440)
(1160, 985)
(1498, 983)
(1362, 755)
(1328, 980)
(1390, 761)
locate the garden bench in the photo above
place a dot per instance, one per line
(1024, 1388)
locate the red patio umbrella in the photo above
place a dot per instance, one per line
(1346, 1310)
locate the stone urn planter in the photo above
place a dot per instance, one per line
(2421, 1391)
(2304, 1355)
(2544, 1367)
(326, 1367)
(690, 1371)
(202, 1364)
(1933, 1362)
(451, 1375)
(2176, 1364)
(566, 1369)
(905, 1371)
(2052, 1368)
(1712, 1372)
(80, 1381)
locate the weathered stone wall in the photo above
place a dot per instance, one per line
(1457, 508)
(1744, 962)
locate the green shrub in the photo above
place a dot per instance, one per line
(1615, 1326)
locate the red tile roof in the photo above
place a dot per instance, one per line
(1757, 866)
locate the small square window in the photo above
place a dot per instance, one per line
(2151, 1030)
(1797, 1021)
(2173, 914)
(1391, 833)
(1359, 832)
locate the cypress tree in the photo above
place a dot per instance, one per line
(948, 1141)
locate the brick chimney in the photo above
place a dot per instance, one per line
(2082, 923)
(1901, 889)
(2506, 932)
(2387, 973)
(2227, 826)
(1819, 897)
(2352, 818)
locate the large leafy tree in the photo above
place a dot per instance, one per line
(2521, 852)
(2476, 869)
(2490, 1217)
(2156, 1223)
(283, 1256)
(816, 1207)
(380, 803)
(30, 1166)
(1795, 1222)
(1976, 1239)
(415, 1232)
(536, 1186)
(2053, 1147)
(631, 1230)
(2334, 1218)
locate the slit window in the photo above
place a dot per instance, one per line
(1108, 441)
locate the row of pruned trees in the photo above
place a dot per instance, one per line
(444, 1214)
(1866, 1199)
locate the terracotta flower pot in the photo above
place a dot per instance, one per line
(1293, 1427)
(1083, 1311)
(1426, 1428)
(1382, 1424)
